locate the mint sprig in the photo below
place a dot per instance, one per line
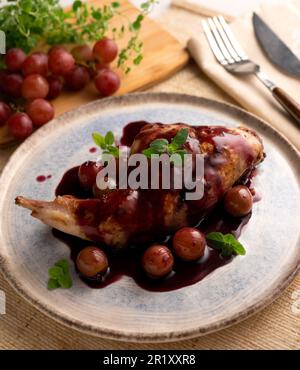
(59, 275)
(106, 143)
(160, 146)
(227, 244)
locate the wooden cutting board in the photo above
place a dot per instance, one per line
(163, 56)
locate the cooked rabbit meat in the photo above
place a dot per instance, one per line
(129, 216)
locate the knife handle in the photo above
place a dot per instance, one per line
(288, 103)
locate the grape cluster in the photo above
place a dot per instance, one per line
(30, 82)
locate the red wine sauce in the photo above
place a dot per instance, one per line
(127, 262)
(43, 178)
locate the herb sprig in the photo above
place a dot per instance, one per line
(227, 244)
(28, 23)
(160, 146)
(106, 143)
(59, 275)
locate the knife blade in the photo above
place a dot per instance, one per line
(276, 50)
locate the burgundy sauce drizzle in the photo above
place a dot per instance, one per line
(43, 178)
(127, 262)
(130, 131)
(93, 150)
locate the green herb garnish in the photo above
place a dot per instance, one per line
(226, 243)
(59, 275)
(160, 146)
(29, 23)
(106, 143)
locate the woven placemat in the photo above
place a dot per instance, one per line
(277, 326)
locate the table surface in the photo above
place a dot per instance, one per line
(277, 326)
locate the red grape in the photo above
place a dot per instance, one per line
(5, 113)
(105, 50)
(34, 87)
(87, 174)
(55, 87)
(189, 244)
(82, 53)
(20, 125)
(35, 63)
(14, 59)
(107, 82)
(78, 78)
(92, 261)
(61, 62)
(56, 47)
(13, 84)
(238, 201)
(40, 111)
(157, 261)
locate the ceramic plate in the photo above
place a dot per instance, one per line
(123, 310)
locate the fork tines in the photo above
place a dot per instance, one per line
(222, 41)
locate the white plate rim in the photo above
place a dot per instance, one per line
(130, 99)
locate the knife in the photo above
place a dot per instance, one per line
(275, 49)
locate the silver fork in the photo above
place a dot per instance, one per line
(233, 58)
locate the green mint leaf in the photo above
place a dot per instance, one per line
(227, 250)
(216, 239)
(59, 275)
(109, 138)
(235, 244)
(63, 264)
(148, 152)
(115, 4)
(99, 140)
(239, 249)
(181, 152)
(55, 272)
(113, 151)
(180, 138)
(106, 143)
(53, 284)
(65, 281)
(226, 244)
(159, 146)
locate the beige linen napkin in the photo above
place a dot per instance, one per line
(247, 90)
(228, 8)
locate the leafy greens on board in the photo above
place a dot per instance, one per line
(28, 23)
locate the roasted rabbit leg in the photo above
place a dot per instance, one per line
(122, 217)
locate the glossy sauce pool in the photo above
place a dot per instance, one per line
(127, 262)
